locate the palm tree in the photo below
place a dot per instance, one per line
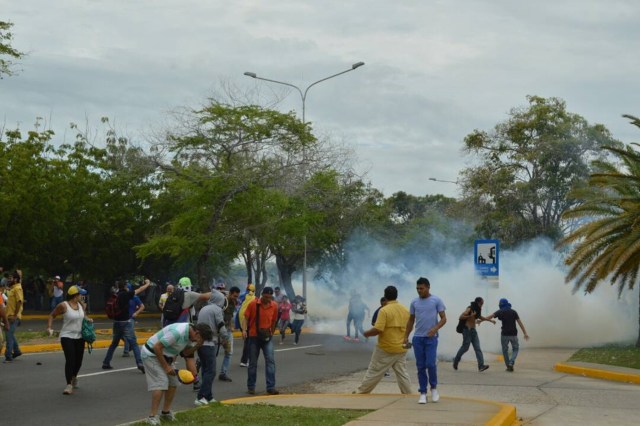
(607, 245)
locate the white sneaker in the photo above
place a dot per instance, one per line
(423, 398)
(168, 416)
(201, 401)
(153, 420)
(244, 364)
(435, 396)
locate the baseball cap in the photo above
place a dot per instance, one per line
(74, 289)
(57, 277)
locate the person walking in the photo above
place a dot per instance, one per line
(427, 312)
(15, 304)
(247, 297)
(159, 354)
(122, 327)
(73, 313)
(284, 316)
(390, 352)
(509, 334)
(136, 307)
(258, 325)
(472, 316)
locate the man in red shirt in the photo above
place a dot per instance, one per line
(258, 325)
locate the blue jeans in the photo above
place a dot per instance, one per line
(515, 346)
(425, 350)
(255, 345)
(296, 327)
(122, 330)
(127, 347)
(207, 357)
(12, 348)
(470, 337)
(227, 355)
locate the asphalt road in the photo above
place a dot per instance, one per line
(31, 387)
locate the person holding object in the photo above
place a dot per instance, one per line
(158, 356)
(472, 316)
(73, 312)
(509, 334)
(258, 325)
(427, 312)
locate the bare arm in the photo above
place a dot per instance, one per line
(138, 311)
(58, 310)
(372, 332)
(412, 320)
(526, 336)
(439, 325)
(142, 288)
(468, 313)
(158, 349)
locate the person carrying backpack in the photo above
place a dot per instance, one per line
(118, 310)
(73, 314)
(469, 318)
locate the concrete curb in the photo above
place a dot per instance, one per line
(505, 417)
(598, 374)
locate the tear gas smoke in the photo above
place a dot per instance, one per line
(532, 278)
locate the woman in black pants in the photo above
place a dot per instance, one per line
(71, 339)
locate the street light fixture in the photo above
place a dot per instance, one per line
(441, 180)
(303, 96)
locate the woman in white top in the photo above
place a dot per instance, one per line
(72, 311)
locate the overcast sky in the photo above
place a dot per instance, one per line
(435, 70)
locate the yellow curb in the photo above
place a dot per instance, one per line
(95, 316)
(505, 417)
(598, 374)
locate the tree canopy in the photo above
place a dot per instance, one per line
(7, 50)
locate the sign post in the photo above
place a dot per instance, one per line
(487, 259)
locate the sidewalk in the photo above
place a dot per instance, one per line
(399, 410)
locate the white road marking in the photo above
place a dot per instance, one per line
(107, 372)
(297, 347)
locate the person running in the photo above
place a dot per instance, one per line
(424, 313)
(472, 316)
(390, 327)
(284, 316)
(122, 327)
(509, 334)
(15, 304)
(299, 309)
(73, 313)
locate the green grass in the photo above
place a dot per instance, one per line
(265, 415)
(621, 356)
(30, 335)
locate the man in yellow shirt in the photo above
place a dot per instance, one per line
(389, 352)
(14, 315)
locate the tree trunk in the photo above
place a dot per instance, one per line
(638, 341)
(286, 268)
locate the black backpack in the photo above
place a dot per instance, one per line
(461, 326)
(173, 306)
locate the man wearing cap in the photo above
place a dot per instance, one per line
(122, 327)
(58, 292)
(15, 302)
(509, 335)
(258, 325)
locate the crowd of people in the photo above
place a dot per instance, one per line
(194, 326)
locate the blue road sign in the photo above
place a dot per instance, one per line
(486, 254)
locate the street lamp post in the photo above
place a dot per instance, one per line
(303, 96)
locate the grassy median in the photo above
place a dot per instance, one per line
(265, 415)
(621, 356)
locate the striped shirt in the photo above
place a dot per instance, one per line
(174, 338)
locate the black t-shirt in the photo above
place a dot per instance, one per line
(124, 297)
(508, 318)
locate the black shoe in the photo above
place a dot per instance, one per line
(455, 364)
(483, 368)
(251, 391)
(224, 378)
(141, 368)
(17, 355)
(107, 367)
(510, 368)
(273, 392)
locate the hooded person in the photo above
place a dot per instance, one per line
(509, 333)
(212, 315)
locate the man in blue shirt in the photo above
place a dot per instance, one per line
(427, 313)
(136, 307)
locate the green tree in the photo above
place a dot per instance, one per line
(6, 50)
(526, 168)
(607, 245)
